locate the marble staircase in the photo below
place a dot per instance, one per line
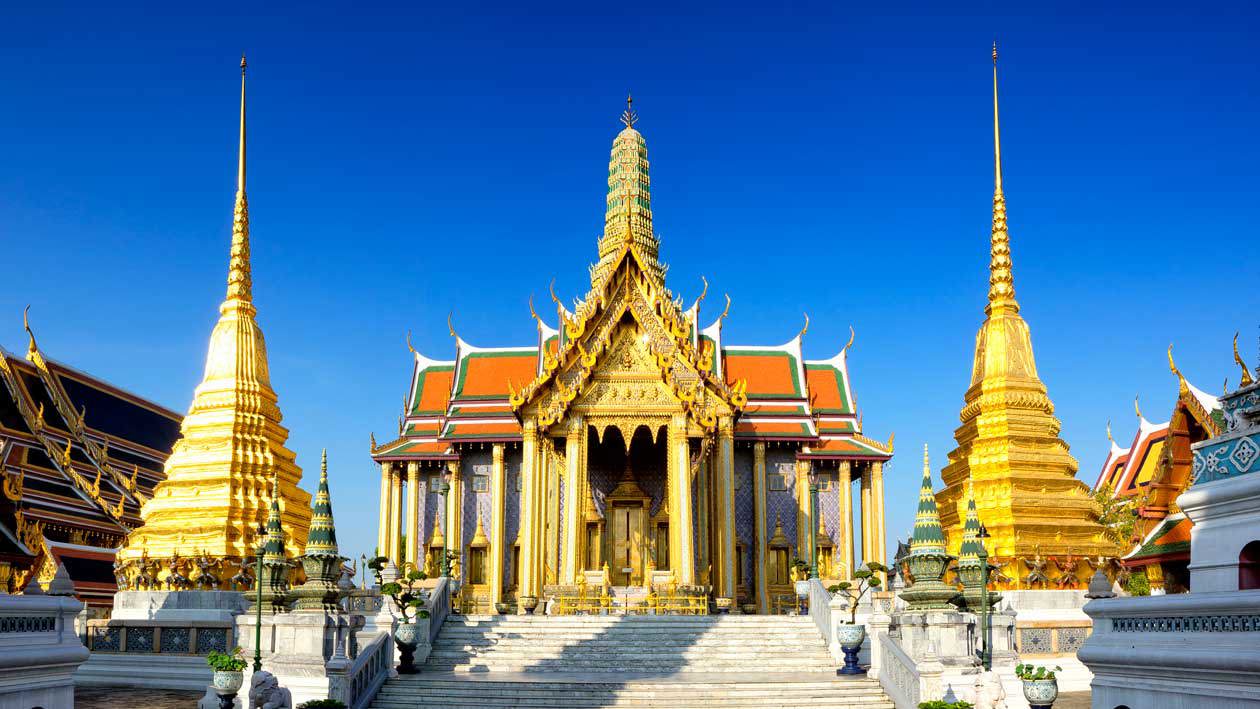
(635, 661)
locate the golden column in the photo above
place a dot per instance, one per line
(846, 517)
(868, 527)
(413, 512)
(530, 533)
(232, 444)
(804, 521)
(1008, 441)
(498, 494)
(395, 517)
(681, 552)
(879, 547)
(382, 529)
(760, 531)
(455, 514)
(725, 552)
(573, 507)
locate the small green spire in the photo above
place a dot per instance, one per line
(273, 550)
(322, 538)
(969, 552)
(928, 537)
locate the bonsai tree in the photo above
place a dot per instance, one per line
(408, 597)
(233, 661)
(865, 579)
(1035, 672)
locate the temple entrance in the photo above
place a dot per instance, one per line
(627, 499)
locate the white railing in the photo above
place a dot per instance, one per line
(439, 606)
(897, 673)
(820, 611)
(356, 682)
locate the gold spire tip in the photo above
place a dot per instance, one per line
(995, 51)
(629, 117)
(243, 64)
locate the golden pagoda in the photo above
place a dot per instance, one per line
(1009, 448)
(215, 494)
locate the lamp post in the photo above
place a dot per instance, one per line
(986, 626)
(444, 488)
(258, 569)
(813, 515)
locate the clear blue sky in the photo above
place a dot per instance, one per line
(406, 162)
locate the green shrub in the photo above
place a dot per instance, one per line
(1138, 584)
(226, 661)
(322, 704)
(942, 704)
(1033, 672)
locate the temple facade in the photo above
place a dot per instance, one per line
(1042, 519)
(631, 448)
(79, 457)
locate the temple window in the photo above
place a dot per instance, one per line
(593, 557)
(516, 568)
(1249, 567)
(739, 565)
(481, 483)
(779, 566)
(477, 565)
(662, 546)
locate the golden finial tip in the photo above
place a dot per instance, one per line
(243, 64)
(995, 51)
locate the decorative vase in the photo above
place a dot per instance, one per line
(749, 608)
(226, 684)
(850, 637)
(503, 608)
(723, 605)
(407, 637)
(1041, 693)
(228, 681)
(529, 603)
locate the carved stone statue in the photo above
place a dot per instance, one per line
(175, 578)
(244, 578)
(265, 692)
(147, 573)
(120, 575)
(207, 580)
(1036, 571)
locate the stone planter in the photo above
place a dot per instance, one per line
(723, 605)
(407, 638)
(1041, 693)
(503, 608)
(850, 637)
(228, 681)
(529, 603)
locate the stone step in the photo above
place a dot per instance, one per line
(537, 668)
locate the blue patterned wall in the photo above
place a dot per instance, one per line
(782, 502)
(744, 512)
(511, 510)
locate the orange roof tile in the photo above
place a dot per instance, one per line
(506, 429)
(433, 390)
(771, 374)
(486, 375)
(826, 390)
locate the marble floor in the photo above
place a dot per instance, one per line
(115, 697)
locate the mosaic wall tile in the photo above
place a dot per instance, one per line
(139, 639)
(1071, 639)
(1035, 641)
(211, 639)
(744, 511)
(175, 640)
(106, 639)
(512, 511)
(782, 503)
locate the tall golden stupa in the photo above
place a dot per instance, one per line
(217, 487)
(1043, 523)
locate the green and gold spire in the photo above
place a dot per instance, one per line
(322, 539)
(628, 212)
(969, 551)
(273, 549)
(928, 537)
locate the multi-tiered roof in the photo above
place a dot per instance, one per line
(776, 393)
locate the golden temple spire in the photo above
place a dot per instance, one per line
(1246, 374)
(240, 282)
(629, 117)
(1001, 282)
(232, 442)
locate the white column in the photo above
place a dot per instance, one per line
(413, 510)
(572, 498)
(382, 529)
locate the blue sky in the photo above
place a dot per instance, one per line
(409, 161)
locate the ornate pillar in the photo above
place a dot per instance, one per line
(455, 514)
(528, 584)
(498, 493)
(395, 517)
(760, 531)
(412, 527)
(681, 549)
(804, 521)
(846, 517)
(868, 529)
(382, 529)
(725, 510)
(573, 507)
(880, 541)
(702, 512)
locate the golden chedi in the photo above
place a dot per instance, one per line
(1009, 448)
(218, 476)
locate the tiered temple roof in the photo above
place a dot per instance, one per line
(79, 457)
(476, 397)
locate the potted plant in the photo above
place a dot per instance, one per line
(1040, 686)
(850, 634)
(410, 602)
(323, 704)
(229, 673)
(942, 704)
